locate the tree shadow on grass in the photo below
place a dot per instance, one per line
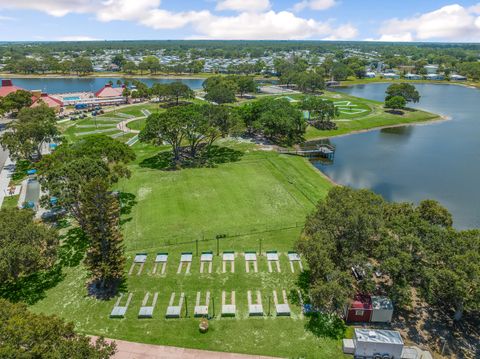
(211, 157)
(326, 325)
(73, 248)
(32, 288)
(127, 202)
(95, 291)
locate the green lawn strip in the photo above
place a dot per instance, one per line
(285, 337)
(10, 202)
(137, 125)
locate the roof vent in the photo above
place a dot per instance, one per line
(372, 334)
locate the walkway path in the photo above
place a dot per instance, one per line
(6, 173)
(130, 350)
(122, 126)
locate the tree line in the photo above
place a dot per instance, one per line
(410, 248)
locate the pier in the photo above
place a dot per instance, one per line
(323, 150)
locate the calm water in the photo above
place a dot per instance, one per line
(439, 161)
(90, 84)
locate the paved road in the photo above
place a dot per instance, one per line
(130, 350)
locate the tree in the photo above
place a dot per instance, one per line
(166, 127)
(129, 67)
(28, 335)
(26, 247)
(275, 119)
(396, 103)
(407, 91)
(220, 90)
(452, 277)
(310, 81)
(15, 101)
(82, 65)
(64, 172)
(434, 213)
(29, 132)
(178, 89)
(105, 259)
(340, 72)
(245, 84)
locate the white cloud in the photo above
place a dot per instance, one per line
(270, 25)
(254, 20)
(52, 7)
(449, 23)
(314, 4)
(344, 32)
(244, 5)
(77, 38)
(7, 18)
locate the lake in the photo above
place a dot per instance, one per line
(440, 161)
(88, 84)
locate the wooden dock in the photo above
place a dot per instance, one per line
(320, 150)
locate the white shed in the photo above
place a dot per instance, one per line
(382, 310)
(377, 343)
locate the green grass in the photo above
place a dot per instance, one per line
(10, 202)
(375, 117)
(260, 200)
(137, 125)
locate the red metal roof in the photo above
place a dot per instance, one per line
(361, 301)
(47, 100)
(5, 90)
(109, 91)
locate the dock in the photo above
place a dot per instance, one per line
(321, 150)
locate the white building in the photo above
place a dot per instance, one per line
(456, 77)
(382, 310)
(367, 343)
(413, 77)
(370, 75)
(391, 75)
(431, 69)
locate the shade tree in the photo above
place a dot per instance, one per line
(33, 128)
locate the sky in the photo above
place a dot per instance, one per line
(400, 20)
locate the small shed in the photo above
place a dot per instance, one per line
(359, 310)
(382, 310)
(370, 343)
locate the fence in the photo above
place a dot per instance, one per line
(210, 237)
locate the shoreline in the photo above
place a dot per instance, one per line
(438, 119)
(468, 84)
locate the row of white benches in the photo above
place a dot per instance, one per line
(201, 309)
(206, 260)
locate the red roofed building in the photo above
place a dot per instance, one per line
(109, 91)
(8, 88)
(360, 309)
(47, 100)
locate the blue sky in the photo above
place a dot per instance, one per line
(405, 20)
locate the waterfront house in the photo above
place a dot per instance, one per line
(456, 77)
(8, 88)
(410, 76)
(108, 91)
(45, 99)
(370, 75)
(431, 69)
(434, 77)
(391, 76)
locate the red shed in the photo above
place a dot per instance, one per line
(360, 309)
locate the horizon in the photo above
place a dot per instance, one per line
(410, 21)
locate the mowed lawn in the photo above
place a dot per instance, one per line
(261, 191)
(374, 117)
(260, 203)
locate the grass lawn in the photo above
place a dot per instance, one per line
(10, 202)
(373, 117)
(137, 125)
(259, 200)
